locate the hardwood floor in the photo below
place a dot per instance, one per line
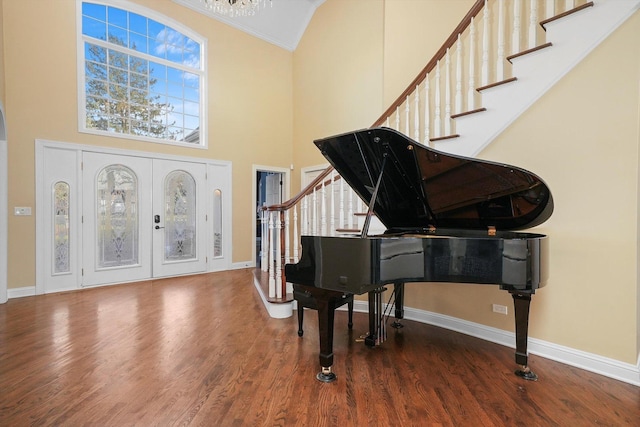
(202, 350)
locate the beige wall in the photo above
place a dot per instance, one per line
(2, 100)
(582, 137)
(337, 75)
(250, 109)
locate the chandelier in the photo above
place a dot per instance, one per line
(235, 7)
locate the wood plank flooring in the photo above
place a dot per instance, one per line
(202, 351)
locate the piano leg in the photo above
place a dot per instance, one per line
(521, 302)
(398, 288)
(377, 332)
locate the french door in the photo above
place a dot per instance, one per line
(142, 218)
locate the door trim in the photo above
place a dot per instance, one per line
(221, 169)
(4, 208)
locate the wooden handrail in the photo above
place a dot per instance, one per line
(466, 21)
(305, 191)
(451, 40)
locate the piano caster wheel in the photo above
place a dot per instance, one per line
(300, 333)
(526, 373)
(326, 376)
(397, 325)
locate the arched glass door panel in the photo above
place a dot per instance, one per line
(117, 217)
(180, 216)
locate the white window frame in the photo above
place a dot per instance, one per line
(149, 13)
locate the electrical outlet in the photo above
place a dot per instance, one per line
(497, 308)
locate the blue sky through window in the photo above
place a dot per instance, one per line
(142, 61)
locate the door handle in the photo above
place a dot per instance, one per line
(158, 227)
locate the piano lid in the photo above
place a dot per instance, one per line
(422, 187)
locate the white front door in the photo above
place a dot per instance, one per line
(142, 218)
(179, 213)
(117, 218)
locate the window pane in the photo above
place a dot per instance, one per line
(191, 80)
(94, 28)
(138, 65)
(138, 23)
(120, 77)
(97, 11)
(95, 71)
(117, 17)
(139, 81)
(138, 43)
(191, 94)
(158, 71)
(174, 75)
(95, 53)
(117, 36)
(156, 30)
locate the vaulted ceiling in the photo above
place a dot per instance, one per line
(283, 23)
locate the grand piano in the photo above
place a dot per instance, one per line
(448, 218)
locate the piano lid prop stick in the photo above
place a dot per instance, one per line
(372, 202)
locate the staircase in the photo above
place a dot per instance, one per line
(466, 95)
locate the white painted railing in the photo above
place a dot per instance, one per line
(478, 49)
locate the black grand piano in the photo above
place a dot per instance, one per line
(448, 219)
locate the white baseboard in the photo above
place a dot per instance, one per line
(242, 264)
(277, 311)
(608, 367)
(27, 291)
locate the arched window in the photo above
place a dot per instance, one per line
(142, 75)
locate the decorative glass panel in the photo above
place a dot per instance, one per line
(217, 223)
(61, 228)
(180, 217)
(117, 217)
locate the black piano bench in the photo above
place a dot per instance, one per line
(306, 300)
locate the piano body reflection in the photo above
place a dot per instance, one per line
(448, 219)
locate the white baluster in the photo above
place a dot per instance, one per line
(386, 123)
(323, 209)
(287, 232)
(304, 213)
(427, 112)
(407, 113)
(272, 278)
(416, 114)
(447, 93)
(436, 102)
(515, 37)
(264, 240)
(341, 217)
(550, 8)
(533, 24)
(459, 75)
(398, 119)
(278, 247)
(501, 31)
(485, 45)
(296, 237)
(569, 4)
(314, 213)
(471, 90)
(332, 188)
